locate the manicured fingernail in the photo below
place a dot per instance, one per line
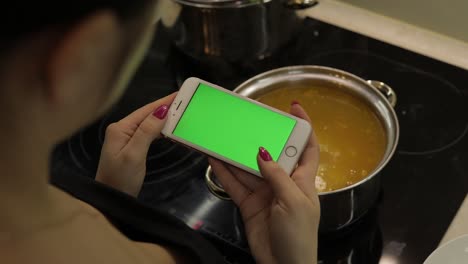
(161, 111)
(264, 154)
(295, 102)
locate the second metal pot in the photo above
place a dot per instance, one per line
(341, 207)
(233, 30)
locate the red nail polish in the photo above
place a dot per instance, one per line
(264, 154)
(295, 102)
(161, 111)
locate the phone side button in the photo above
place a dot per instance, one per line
(291, 151)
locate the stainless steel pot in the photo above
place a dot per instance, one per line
(341, 207)
(233, 30)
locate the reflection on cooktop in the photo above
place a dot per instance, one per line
(361, 243)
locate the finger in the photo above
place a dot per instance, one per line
(147, 131)
(282, 185)
(137, 116)
(248, 203)
(305, 173)
(236, 190)
(249, 180)
(312, 147)
(256, 202)
(120, 133)
(297, 110)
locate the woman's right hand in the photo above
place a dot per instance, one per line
(280, 213)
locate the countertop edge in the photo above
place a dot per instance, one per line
(392, 31)
(459, 225)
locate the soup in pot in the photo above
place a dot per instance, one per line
(351, 136)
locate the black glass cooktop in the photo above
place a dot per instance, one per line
(422, 186)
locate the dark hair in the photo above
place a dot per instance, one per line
(22, 18)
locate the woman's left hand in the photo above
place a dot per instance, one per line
(123, 157)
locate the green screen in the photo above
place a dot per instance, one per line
(233, 127)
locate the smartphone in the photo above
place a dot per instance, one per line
(231, 127)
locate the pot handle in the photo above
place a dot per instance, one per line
(386, 90)
(214, 187)
(300, 4)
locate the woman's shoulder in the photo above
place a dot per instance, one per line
(138, 221)
(80, 234)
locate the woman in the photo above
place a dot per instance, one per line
(63, 64)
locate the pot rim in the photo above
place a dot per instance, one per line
(221, 3)
(304, 69)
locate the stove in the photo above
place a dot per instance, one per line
(422, 186)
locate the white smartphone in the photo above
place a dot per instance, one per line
(231, 127)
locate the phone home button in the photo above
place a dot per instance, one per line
(291, 151)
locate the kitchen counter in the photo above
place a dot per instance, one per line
(407, 36)
(459, 225)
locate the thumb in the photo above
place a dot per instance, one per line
(282, 185)
(147, 132)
